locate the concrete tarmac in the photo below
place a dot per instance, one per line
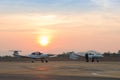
(49, 77)
(59, 70)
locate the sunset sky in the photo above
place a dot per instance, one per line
(56, 26)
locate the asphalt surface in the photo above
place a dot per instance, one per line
(49, 77)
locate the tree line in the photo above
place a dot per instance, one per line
(66, 54)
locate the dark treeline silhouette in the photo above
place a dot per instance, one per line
(112, 54)
(108, 56)
(64, 54)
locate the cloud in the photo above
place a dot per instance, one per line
(17, 30)
(28, 22)
(102, 3)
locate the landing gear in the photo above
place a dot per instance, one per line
(42, 60)
(32, 61)
(46, 61)
(93, 59)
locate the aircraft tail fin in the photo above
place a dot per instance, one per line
(74, 56)
(16, 55)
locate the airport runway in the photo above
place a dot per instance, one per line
(49, 77)
(59, 70)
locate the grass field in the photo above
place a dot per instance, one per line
(62, 68)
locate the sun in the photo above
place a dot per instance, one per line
(44, 40)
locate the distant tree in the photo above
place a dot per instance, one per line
(61, 55)
(118, 52)
(112, 54)
(107, 53)
(65, 54)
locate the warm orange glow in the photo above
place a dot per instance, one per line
(44, 40)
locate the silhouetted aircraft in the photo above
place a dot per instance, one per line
(91, 55)
(34, 55)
